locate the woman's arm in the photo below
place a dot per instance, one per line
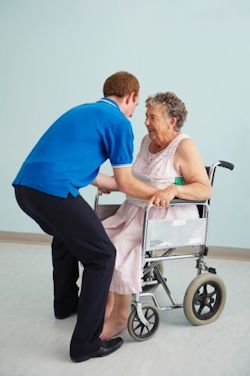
(191, 166)
(196, 186)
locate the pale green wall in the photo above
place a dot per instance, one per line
(57, 53)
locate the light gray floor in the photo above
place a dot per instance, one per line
(34, 343)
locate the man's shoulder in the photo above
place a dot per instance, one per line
(98, 113)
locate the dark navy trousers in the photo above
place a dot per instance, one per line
(78, 235)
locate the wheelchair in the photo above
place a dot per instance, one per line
(162, 241)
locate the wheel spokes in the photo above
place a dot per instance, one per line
(201, 308)
(206, 302)
(140, 329)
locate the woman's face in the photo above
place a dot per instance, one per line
(159, 124)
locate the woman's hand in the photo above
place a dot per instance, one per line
(164, 196)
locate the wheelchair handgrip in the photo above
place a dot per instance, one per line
(225, 164)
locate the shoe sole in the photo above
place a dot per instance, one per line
(89, 356)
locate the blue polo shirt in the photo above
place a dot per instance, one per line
(68, 156)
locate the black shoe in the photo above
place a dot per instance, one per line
(108, 347)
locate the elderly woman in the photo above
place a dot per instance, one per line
(166, 155)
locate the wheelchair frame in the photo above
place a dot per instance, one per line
(205, 292)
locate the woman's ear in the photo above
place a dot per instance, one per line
(173, 121)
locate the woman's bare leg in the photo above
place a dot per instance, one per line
(109, 305)
(118, 319)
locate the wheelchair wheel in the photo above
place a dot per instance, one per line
(151, 279)
(139, 331)
(204, 299)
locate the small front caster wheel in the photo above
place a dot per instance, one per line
(204, 299)
(137, 329)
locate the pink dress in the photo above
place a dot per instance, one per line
(125, 227)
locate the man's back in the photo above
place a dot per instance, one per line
(69, 154)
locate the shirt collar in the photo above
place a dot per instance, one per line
(109, 101)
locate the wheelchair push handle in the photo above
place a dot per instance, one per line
(225, 164)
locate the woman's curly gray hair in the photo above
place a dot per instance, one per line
(172, 105)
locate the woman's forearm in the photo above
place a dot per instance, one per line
(193, 191)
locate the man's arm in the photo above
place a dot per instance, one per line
(128, 184)
(106, 182)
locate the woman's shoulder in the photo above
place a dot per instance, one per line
(185, 141)
(182, 137)
(182, 141)
(176, 143)
(186, 148)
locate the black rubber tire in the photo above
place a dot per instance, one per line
(139, 331)
(204, 299)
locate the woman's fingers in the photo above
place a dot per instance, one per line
(159, 199)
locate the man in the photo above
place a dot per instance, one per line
(68, 157)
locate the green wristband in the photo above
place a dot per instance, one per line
(179, 180)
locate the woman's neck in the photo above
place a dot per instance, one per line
(156, 147)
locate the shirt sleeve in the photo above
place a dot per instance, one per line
(119, 143)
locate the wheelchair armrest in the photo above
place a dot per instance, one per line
(202, 205)
(177, 201)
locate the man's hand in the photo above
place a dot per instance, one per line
(105, 183)
(106, 191)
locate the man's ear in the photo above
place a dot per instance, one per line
(127, 98)
(134, 97)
